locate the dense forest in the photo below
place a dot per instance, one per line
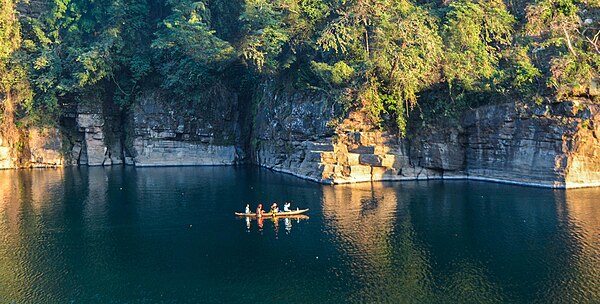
(393, 59)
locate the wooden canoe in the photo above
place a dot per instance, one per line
(269, 214)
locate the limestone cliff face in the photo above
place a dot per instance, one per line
(38, 148)
(27, 147)
(165, 133)
(153, 132)
(288, 128)
(97, 138)
(553, 145)
(294, 133)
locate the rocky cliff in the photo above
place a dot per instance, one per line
(164, 133)
(298, 134)
(553, 145)
(38, 148)
(98, 141)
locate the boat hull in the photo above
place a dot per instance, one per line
(278, 214)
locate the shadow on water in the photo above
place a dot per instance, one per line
(113, 235)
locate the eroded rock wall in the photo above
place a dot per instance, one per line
(551, 145)
(554, 145)
(166, 133)
(291, 130)
(37, 148)
(97, 138)
(300, 134)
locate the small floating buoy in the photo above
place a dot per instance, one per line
(121, 188)
(317, 258)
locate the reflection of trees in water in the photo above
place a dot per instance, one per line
(387, 246)
(453, 220)
(387, 258)
(42, 213)
(25, 238)
(375, 232)
(576, 275)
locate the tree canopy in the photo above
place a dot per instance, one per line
(385, 57)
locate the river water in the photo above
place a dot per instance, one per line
(168, 235)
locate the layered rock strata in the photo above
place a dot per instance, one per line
(297, 134)
(97, 141)
(554, 145)
(171, 134)
(362, 156)
(39, 148)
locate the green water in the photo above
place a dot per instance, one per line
(168, 235)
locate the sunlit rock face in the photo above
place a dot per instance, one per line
(165, 133)
(6, 158)
(45, 147)
(97, 140)
(302, 133)
(553, 145)
(37, 148)
(370, 156)
(295, 133)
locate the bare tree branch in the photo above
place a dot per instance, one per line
(569, 45)
(593, 44)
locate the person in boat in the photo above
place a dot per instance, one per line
(247, 208)
(259, 211)
(286, 207)
(274, 208)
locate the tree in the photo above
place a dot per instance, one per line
(570, 43)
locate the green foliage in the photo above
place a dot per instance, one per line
(406, 57)
(14, 88)
(265, 33)
(188, 49)
(568, 44)
(522, 70)
(337, 74)
(187, 31)
(375, 56)
(474, 33)
(314, 9)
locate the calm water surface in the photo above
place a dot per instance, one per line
(168, 235)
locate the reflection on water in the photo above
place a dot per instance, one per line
(22, 210)
(374, 228)
(467, 242)
(153, 235)
(578, 276)
(287, 222)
